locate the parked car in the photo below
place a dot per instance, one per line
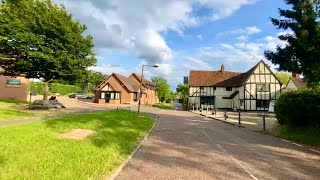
(46, 104)
(80, 96)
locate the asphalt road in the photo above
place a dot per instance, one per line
(187, 146)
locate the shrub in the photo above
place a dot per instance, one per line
(299, 108)
(36, 87)
(63, 89)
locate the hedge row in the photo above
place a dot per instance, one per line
(62, 89)
(299, 108)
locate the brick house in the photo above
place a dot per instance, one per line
(252, 90)
(119, 89)
(13, 87)
(296, 82)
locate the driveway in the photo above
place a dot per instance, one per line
(188, 146)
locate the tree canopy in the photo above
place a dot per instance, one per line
(183, 93)
(162, 88)
(283, 77)
(40, 39)
(302, 50)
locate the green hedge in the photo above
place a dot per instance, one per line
(299, 108)
(63, 89)
(37, 87)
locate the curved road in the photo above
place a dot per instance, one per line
(187, 146)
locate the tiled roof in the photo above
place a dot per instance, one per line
(219, 78)
(299, 82)
(128, 83)
(131, 85)
(145, 82)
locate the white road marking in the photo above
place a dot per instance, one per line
(245, 169)
(285, 140)
(297, 144)
(236, 161)
(314, 150)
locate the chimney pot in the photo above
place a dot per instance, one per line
(222, 68)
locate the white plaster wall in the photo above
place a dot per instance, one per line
(193, 100)
(291, 86)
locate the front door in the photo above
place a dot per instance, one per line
(107, 97)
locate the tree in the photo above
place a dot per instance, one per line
(183, 90)
(162, 88)
(283, 77)
(39, 39)
(302, 50)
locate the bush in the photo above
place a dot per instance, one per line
(62, 89)
(36, 87)
(299, 108)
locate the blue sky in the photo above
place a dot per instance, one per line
(179, 35)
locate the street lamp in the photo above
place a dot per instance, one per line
(140, 88)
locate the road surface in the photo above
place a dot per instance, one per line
(187, 146)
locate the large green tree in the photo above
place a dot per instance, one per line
(40, 39)
(183, 92)
(302, 50)
(162, 88)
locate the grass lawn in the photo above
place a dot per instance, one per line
(14, 110)
(35, 151)
(303, 136)
(163, 106)
(9, 109)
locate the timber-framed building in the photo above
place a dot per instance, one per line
(250, 91)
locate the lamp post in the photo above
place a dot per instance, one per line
(140, 88)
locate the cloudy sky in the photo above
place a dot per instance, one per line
(179, 35)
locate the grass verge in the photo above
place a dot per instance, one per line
(163, 106)
(35, 151)
(310, 136)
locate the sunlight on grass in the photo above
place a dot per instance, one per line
(163, 106)
(35, 150)
(309, 136)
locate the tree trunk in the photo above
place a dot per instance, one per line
(46, 91)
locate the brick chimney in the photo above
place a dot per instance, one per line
(295, 75)
(222, 68)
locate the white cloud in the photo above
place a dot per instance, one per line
(136, 25)
(109, 69)
(200, 37)
(244, 32)
(252, 30)
(242, 38)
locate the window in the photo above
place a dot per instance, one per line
(263, 87)
(135, 96)
(113, 95)
(228, 88)
(241, 102)
(207, 100)
(262, 104)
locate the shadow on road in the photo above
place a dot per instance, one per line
(190, 143)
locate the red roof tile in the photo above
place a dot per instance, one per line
(219, 78)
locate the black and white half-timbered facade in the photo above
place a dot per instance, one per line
(252, 90)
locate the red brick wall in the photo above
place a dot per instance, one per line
(13, 92)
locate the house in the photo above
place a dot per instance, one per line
(119, 89)
(13, 87)
(296, 82)
(252, 90)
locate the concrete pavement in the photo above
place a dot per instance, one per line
(187, 146)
